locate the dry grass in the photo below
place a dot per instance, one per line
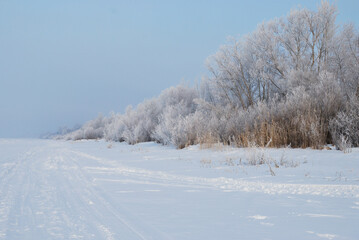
(206, 163)
(302, 131)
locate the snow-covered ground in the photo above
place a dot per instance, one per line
(99, 190)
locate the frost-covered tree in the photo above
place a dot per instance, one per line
(258, 66)
(344, 61)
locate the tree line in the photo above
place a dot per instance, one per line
(293, 81)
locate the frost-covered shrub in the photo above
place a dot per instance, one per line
(114, 130)
(93, 129)
(344, 127)
(176, 104)
(173, 127)
(162, 119)
(137, 125)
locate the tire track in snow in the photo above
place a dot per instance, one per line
(44, 194)
(9, 174)
(94, 199)
(26, 203)
(76, 210)
(222, 183)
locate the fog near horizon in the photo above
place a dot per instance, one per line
(62, 64)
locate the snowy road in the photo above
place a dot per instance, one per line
(90, 190)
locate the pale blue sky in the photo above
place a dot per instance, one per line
(63, 62)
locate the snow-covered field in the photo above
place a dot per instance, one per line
(99, 190)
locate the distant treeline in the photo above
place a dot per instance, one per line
(294, 81)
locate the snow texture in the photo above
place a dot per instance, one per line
(100, 190)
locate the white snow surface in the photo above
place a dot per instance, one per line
(99, 190)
